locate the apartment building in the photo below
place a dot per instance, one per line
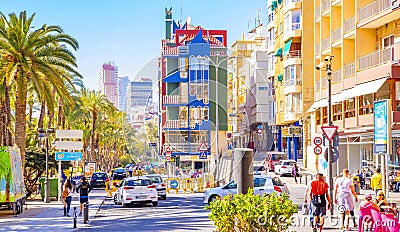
(363, 39)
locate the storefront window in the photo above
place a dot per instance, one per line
(366, 104)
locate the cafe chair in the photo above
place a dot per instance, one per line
(390, 224)
(376, 215)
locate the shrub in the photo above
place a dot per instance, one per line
(249, 212)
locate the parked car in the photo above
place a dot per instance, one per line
(137, 189)
(284, 167)
(98, 179)
(272, 158)
(119, 174)
(160, 186)
(259, 170)
(262, 185)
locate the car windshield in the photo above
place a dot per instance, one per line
(259, 168)
(156, 179)
(288, 163)
(138, 182)
(258, 182)
(276, 181)
(99, 176)
(119, 170)
(278, 156)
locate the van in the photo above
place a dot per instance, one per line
(272, 158)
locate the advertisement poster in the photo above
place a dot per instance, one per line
(380, 126)
(90, 167)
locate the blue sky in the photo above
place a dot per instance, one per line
(128, 32)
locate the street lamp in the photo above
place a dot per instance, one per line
(44, 134)
(328, 68)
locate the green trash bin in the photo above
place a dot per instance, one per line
(53, 187)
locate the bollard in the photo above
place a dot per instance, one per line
(74, 217)
(85, 212)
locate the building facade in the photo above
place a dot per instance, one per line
(362, 39)
(108, 82)
(193, 99)
(122, 85)
(139, 99)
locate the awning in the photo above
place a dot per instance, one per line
(318, 104)
(286, 48)
(278, 52)
(274, 5)
(280, 77)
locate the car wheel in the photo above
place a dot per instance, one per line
(164, 197)
(116, 200)
(155, 203)
(213, 198)
(124, 205)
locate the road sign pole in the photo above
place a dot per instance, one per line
(330, 173)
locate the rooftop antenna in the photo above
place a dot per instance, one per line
(258, 16)
(180, 17)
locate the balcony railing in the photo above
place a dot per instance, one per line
(185, 147)
(296, 26)
(317, 12)
(174, 99)
(318, 85)
(375, 58)
(336, 34)
(325, 5)
(175, 124)
(291, 82)
(349, 24)
(167, 49)
(317, 49)
(324, 82)
(349, 69)
(373, 8)
(325, 43)
(337, 76)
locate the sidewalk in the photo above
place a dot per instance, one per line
(39, 216)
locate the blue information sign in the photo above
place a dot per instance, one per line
(381, 126)
(203, 155)
(68, 156)
(173, 184)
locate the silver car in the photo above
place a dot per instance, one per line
(161, 187)
(262, 185)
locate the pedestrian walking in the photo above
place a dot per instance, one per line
(130, 170)
(344, 188)
(308, 205)
(319, 197)
(295, 172)
(66, 196)
(83, 189)
(376, 181)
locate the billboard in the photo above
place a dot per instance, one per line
(90, 167)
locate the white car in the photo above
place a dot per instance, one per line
(259, 170)
(284, 167)
(262, 185)
(138, 189)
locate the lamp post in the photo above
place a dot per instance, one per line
(328, 68)
(44, 134)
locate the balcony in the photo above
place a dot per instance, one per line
(325, 44)
(291, 5)
(176, 124)
(292, 58)
(373, 9)
(337, 76)
(168, 48)
(174, 99)
(317, 13)
(318, 49)
(336, 35)
(376, 58)
(292, 31)
(292, 86)
(349, 25)
(325, 6)
(349, 70)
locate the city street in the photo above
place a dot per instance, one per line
(180, 212)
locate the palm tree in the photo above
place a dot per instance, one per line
(40, 57)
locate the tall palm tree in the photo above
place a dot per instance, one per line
(39, 56)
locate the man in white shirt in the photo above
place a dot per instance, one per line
(344, 188)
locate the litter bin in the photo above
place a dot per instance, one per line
(53, 187)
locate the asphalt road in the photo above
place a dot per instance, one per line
(180, 212)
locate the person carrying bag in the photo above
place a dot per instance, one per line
(66, 197)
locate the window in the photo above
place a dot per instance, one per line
(318, 116)
(293, 75)
(337, 112)
(259, 182)
(349, 106)
(388, 41)
(198, 63)
(366, 104)
(183, 67)
(281, 28)
(324, 114)
(293, 102)
(292, 21)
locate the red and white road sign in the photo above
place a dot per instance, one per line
(329, 131)
(203, 147)
(168, 156)
(318, 141)
(318, 150)
(168, 151)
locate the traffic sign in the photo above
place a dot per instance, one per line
(168, 150)
(203, 155)
(335, 154)
(329, 131)
(69, 134)
(69, 145)
(168, 156)
(317, 150)
(68, 156)
(203, 147)
(174, 184)
(318, 141)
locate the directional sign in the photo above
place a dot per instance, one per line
(203, 147)
(317, 150)
(174, 184)
(318, 141)
(335, 154)
(69, 134)
(203, 155)
(68, 156)
(329, 131)
(69, 145)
